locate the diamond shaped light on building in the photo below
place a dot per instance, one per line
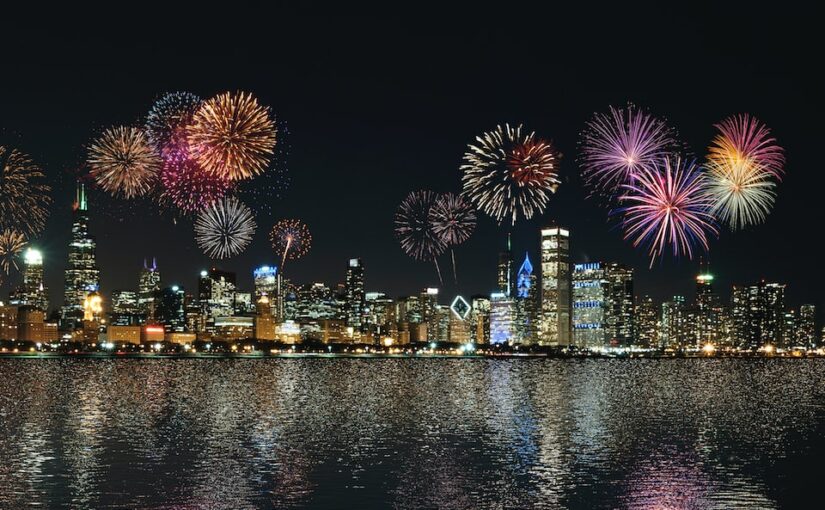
(460, 307)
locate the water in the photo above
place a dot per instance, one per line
(410, 433)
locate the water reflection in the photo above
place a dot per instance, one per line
(447, 433)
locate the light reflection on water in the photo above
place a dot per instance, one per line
(410, 433)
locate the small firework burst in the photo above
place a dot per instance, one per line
(509, 173)
(291, 239)
(742, 138)
(224, 228)
(616, 144)
(413, 228)
(167, 121)
(188, 188)
(742, 193)
(667, 205)
(24, 195)
(453, 219)
(123, 162)
(232, 136)
(11, 245)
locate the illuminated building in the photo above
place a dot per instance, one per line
(234, 328)
(32, 291)
(480, 320)
(505, 270)
(119, 335)
(179, 338)
(242, 303)
(707, 312)
(758, 313)
(620, 305)
(526, 302)
(216, 294)
(672, 334)
(313, 302)
(429, 311)
(788, 330)
(354, 301)
(501, 318)
(264, 321)
(82, 275)
(31, 324)
(647, 324)
(92, 317)
(8, 322)
(170, 308)
(806, 328)
(443, 324)
(459, 328)
(409, 309)
(590, 294)
(125, 309)
(148, 285)
(266, 279)
(556, 300)
(379, 312)
(151, 334)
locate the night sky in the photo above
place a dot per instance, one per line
(379, 106)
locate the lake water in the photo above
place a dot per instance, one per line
(411, 433)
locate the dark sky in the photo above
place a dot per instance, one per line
(378, 106)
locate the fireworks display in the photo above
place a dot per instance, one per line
(167, 120)
(744, 166)
(616, 144)
(291, 239)
(413, 228)
(509, 173)
(11, 245)
(453, 219)
(232, 136)
(668, 206)
(123, 162)
(187, 187)
(224, 228)
(24, 195)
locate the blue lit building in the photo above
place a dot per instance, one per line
(590, 294)
(501, 318)
(526, 304)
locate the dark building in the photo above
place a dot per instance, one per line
(171, 309)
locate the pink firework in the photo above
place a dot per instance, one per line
(668, 205)
(188, 188)
(743, 139)
(616, 144)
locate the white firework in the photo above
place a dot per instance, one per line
(225, 228)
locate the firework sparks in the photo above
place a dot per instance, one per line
(453, 219)
(232, 136)
(11, 245)
(123, 162)
(742, 193)
(616, 144)
(668, 205)
(188, 188)
(414, 230)
(167, 121)
(24, 196)
(742, 138)
(290, 238)
(510, 173)
(225, 228)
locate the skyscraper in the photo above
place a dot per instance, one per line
(620, 305)
(429, 311)
(758, 313)
(647, 324)
(501, 318)
(148, 285)
(82, 275)
(171, 308)
(216, 294)
(590, 294)
(527, 314)
(806, 329)
(505, 270)
(707, 311)
(125, 310)
(672, 333)
(355, 294)
(32, 292)
(266, 284)
(480, 320)
(556, 316)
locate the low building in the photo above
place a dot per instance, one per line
(8, 322)
(123, 334)
(31, 324)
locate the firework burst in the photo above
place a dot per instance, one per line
(188, 188)
(508, 173)
(453, 219)
(742, 138)
(232, 136)
(742, 193)
(24, 196)
(290, 238)
(225, 228)
(616, 144)
(167, 120)
(11, 245)
(668, 205)
(415, 232)
(123, 162)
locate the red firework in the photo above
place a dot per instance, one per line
(187, 187)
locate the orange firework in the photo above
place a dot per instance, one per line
(123, 162)
(232, 136)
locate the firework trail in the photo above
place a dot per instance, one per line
(508, 173)
(668, 205)
(188, 188)
(225, 228)
(11, 245)
(267, 189)
(123, 162)
(291, 238)
(415, 232)
(614, 145)
(453, 220)
(24, 195)
(232, 136)
(167, 120)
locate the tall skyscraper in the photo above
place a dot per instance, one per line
(647, 324)
(707, 311)
(672, 334)
(125, 309)
(480, 320)
(590, 297)
(32, 292)
(501, 318)
(216, 294)
(82, 275)
(355, 294)
(171, 308)
(148, 285)
(526, 301)
(429, 312)
(505, 270)
(620, 304)
(556, 317)
(758, 313)
(806, 329)
(266, 280)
